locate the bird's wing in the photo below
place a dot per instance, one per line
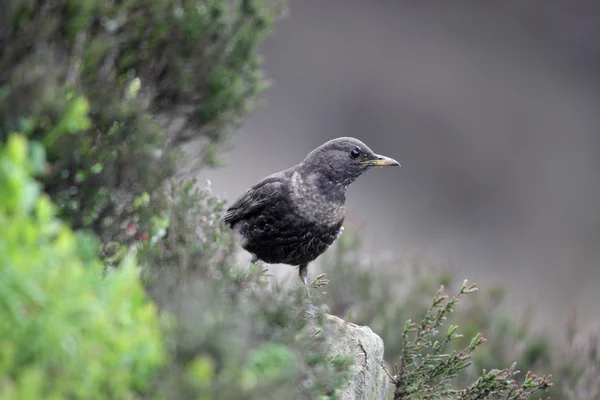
(254, 199)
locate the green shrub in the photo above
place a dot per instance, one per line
(113, 89)
(66, 331)
(429, 363)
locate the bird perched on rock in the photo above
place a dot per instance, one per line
(293, 216)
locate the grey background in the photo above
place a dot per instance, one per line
(491, 107)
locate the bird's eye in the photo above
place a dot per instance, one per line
(355, 153)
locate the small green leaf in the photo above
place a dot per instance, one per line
(96, 168)
(80, 176)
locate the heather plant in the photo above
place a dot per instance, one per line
(427, 365)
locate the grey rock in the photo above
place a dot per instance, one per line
(369, 381)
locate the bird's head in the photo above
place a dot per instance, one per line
(344, 159)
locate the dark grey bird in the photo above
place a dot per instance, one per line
(293, 216)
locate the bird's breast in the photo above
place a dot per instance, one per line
(323, 205)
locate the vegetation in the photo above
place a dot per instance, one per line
(113, 89)
(117, 279)
(63, 324)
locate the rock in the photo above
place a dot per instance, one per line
(369, 381)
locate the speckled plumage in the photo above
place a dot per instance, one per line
(293, 216)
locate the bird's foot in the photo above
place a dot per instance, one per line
(318, 282)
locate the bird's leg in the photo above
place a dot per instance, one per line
(302, 272)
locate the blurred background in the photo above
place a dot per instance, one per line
(492, 108)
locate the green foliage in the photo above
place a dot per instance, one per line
(66, 331)
(113, 89)
(427, 366)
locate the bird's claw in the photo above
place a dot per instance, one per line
(319, 281)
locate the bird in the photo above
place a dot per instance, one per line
(293, 216)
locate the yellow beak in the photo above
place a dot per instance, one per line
(382, 161)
